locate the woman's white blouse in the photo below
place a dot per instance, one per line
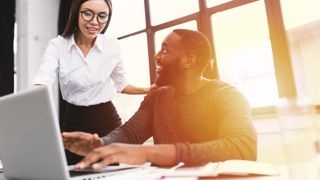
(84, 81)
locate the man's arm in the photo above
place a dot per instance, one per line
(135, 131)
(138, 128)
(161, 155)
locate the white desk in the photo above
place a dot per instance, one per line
(231, 178)
(284, 176)
(309, 171)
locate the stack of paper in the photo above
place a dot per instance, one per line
(230, 168)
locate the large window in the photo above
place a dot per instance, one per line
(166, 10)
(243, 52)
(302, 24)
(135, 55)
(300, 13)
(128, 16)
(249, 46)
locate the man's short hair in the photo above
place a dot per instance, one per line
(195, 43)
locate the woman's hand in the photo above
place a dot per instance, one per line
(81, 143)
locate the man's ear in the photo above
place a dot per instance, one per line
(190, 62)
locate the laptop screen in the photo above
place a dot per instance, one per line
(30, 141)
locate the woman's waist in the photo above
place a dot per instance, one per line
(86, 115)
(87, 96)
(103, 106)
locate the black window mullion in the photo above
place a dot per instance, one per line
(281, 56)
(174, 22)
(205, 26)
(150, 41)
(229, 5)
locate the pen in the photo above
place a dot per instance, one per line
(180, 164)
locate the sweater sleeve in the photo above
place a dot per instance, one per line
(137, 129)
(236, 134)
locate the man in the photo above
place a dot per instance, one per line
(192, 119)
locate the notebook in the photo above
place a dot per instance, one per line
(30, 141)
(226, 168)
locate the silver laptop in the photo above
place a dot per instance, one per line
(30, 142)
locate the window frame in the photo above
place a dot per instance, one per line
(281, 55)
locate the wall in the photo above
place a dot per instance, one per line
(305, 53)
(37, 23)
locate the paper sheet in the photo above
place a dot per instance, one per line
(230, 167)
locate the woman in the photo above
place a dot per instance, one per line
(89, 69)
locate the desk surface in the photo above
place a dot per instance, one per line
(283, 176)
(305, 172)
(246, 178)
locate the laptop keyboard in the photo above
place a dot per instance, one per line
(90, 171)
(79, 173)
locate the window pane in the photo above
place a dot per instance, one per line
(244, 54)
(211, 3)
(166, 10)
(302, 24)
(160, 35)
(127, 17)
(297, 13)
(135, 56)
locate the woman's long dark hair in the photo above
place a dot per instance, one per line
(72, 24)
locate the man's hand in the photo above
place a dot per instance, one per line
(81, 143)
(129, 154)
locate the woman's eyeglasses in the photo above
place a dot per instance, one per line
(88, 15)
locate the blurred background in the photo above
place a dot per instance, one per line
(268, 49)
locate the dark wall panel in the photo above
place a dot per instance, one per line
(7, 20)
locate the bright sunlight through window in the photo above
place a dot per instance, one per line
(244, 55)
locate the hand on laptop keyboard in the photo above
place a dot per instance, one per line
(81, 143)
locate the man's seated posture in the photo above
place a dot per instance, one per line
(192, 119)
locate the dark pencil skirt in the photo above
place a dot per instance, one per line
(100, 119)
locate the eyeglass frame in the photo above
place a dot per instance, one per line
(94, 14)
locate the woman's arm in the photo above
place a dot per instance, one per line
(48, 71)
(131, 89)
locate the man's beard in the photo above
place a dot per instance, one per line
(169, 75)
